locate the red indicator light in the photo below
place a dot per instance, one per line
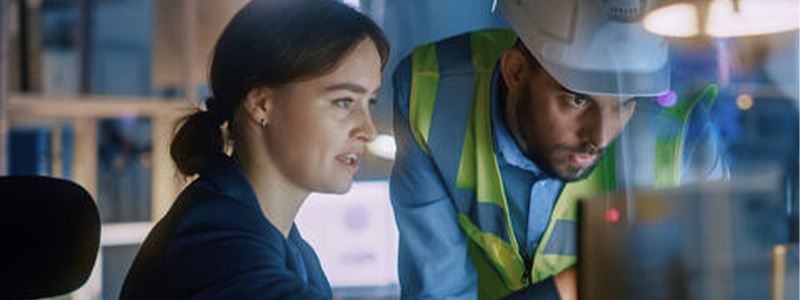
(612, 215)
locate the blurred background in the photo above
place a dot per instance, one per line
(91, 90)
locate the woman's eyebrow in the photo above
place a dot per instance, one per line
(355, 88)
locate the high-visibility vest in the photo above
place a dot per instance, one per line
(442, 124)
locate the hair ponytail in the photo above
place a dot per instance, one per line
(196, 142)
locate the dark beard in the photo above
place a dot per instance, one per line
(541, 161)
(574, 173)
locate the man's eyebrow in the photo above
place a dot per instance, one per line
(347, 86)
(631, 100)
(626, 102)
(585, 96)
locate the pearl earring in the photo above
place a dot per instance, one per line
(263, 123)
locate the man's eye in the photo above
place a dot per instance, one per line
(630, 103)
(579, 100)
(373, 101)
(343, 103)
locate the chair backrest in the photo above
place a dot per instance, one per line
(49, 236)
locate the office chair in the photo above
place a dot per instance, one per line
(49, 236)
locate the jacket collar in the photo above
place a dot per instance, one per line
(228, 179)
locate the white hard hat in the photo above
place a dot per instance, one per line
(592, 46)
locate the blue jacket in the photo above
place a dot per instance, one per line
(215, 243)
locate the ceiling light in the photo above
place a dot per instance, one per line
(722, 18)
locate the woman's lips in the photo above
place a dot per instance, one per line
(349, 160)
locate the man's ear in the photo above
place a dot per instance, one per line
(258, 105)
(514, 69)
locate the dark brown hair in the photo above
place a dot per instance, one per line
(269, 43)
(533, 63)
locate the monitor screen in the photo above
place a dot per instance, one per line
(703, 241)
(354, 235)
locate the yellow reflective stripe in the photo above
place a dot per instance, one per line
(499, 254)
(487, 46)
(478, 163)
(551, 265)
(465, 178)
(424, 84)
(489, 185)
(667, 172)
(602, 179)
(669, 145)
(490, 283)
(490, 44)
(478, 169)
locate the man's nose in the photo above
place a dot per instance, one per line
(602, 129)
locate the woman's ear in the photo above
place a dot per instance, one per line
(514, 67)
(258, 105)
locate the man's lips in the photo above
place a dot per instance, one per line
(582, 159)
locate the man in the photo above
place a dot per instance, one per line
(499, 132)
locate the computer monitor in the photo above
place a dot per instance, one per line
(703, 241)
(354, 236)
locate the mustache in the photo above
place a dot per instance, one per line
(585, 148)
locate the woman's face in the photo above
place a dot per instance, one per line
(320, 127)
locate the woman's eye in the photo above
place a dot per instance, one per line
(343, 103)
(373, 101)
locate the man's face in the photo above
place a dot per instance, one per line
(563, 132)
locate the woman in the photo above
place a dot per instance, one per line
(292, 82)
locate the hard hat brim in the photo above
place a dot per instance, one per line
(611, 82)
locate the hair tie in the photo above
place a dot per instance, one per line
(215, 111)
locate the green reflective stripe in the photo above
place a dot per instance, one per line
(490, 44)
(602, 179)
(506, 261)
(487, 46)
(424, 83)
(479, 171)
(490, 284)
(668, 150)
(669, 141)
(467, 171)
(488, 185)
(682, 109)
